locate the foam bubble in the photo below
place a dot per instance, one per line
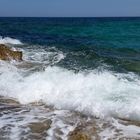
(102, 94)
(8, 40)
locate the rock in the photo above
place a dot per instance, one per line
(8, 101)
(40, 127)
(78, 136)
(8, 54)
(7, 104)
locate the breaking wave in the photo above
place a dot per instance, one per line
(92, 92)
(8, 40)
(101, 94)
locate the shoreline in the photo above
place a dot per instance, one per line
(61, 124)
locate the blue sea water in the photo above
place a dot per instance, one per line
(89, 43)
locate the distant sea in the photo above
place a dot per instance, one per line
(87, 65)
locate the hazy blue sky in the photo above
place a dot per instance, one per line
(69, 8)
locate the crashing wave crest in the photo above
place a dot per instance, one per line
(99, 94)
(8, 40)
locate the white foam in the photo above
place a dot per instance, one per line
(8, 40)
(100, 94)
(40, 55)
(123, 131)
(30, 114)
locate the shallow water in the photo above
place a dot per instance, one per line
(39, 121)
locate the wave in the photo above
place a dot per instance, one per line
(8, 40)
(101, 94)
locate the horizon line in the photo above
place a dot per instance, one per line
(69, 17)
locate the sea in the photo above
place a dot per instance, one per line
(80, 77)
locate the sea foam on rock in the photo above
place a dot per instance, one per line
(8, 54)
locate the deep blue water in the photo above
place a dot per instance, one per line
(88, 42)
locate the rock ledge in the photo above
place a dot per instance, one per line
(7, 54)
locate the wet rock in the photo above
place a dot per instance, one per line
(8, 101)
(8, 105)
(78, 136)
(128, 122)
(40, 127)
(35, 137)
(8, 54)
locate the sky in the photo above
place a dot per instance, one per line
(69, 8)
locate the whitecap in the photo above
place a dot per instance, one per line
(101, 94)
(8, 40)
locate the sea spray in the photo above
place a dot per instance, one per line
(8, 40)
(101, 94)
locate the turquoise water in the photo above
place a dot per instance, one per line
(88, 42)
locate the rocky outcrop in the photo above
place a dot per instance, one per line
(7, 54)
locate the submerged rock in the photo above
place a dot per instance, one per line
(8, 101)
(78, 134)
(8, 54)
(8, 104)
(40, 127)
